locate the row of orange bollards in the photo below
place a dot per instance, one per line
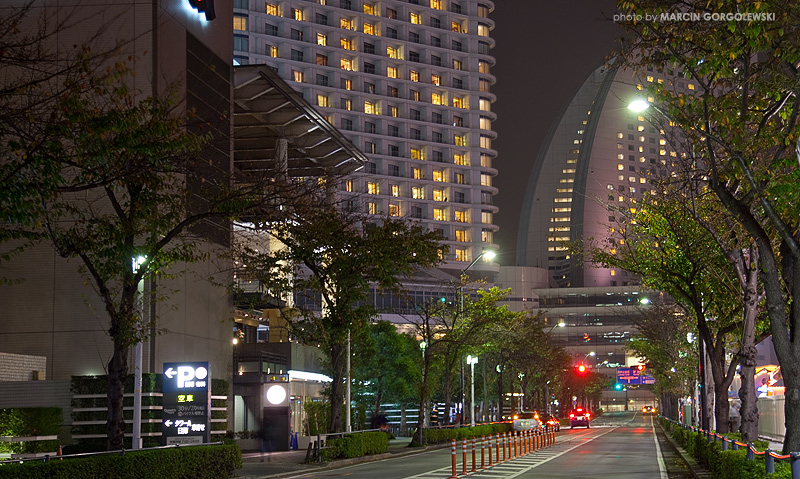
(513, 444)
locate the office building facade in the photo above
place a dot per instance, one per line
(407, 82)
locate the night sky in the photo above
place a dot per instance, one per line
(544, 52)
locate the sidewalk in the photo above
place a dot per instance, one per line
(289, 463)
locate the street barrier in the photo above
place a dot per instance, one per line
(454, 473)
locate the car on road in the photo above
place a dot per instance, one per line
(551, 421)
(527, 420)
(579, 417)
(649, 410)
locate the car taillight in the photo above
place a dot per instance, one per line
(571, 415)
(587, 414)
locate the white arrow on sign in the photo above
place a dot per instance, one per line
(170, 373)
(168, 423)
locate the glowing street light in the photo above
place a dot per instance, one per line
(638, 105)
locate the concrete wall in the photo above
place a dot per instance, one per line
(22, 367)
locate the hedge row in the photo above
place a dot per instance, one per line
(197, 462)
(30, 421)
(728, 464)
(445, 435)
(355, 445)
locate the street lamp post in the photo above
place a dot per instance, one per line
(472, 360)
(560, 324)
(488, 254)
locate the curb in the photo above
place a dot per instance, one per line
(697, 470)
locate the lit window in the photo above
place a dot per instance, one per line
(416, 173)
(485, 104)
(322, 39)
(395, 190)
(438, 214)
(642, 180)
(369, 9)
(461, 236)
(418, 193)
(391, 52)
(460, 140)
(369, 29)
(322, 100)
(438, 195)
(297, 14)
(562, 200)
(438, 175)
(239, 22)
(372, 208)
(483, 30)
(391, 72)
(347, 24)
(486, 180)
(483, 67)
(413, 75)
(691, 86)
(348, 186)
(436, 80)
(272, 9)
(346, 43)
(372, 188)
(620, 167)
(297, 76)
(456, 27)
(568, 171)
(462, 254)
(346, 104)
(370, 108)
(347, 84)
(458, 65)
(346, 64)
(393, 111)
(460, 216)
(460, 159)
(486, 142)
(394, 210)
(436, 4)
(436, 99)
(460, 103)
(416, 19)
(273, 51)
(417, 154)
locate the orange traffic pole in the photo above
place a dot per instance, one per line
(464, 455)
(503, 440)
(489, 443)
(454, 473)
(473, 454)
(497, 447)
(483, 451)
(516, 442)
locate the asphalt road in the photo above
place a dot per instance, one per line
(617, 445)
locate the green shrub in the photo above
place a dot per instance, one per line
(30, 421)
(445, 435)
(200, 462)
(356, 445)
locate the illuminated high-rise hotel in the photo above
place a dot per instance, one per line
(408, 82)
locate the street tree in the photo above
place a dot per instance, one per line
(329, 261)
(742, 124)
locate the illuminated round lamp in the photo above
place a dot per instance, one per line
(638, 105)
(276, 394)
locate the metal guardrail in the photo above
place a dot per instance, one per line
(120, 452)
(769, 455)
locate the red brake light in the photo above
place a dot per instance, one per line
(587, 414)
(571, 415)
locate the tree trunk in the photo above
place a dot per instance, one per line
(117, 372)
(747, 393)
(337, 386)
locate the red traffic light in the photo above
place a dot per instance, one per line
(580, 369)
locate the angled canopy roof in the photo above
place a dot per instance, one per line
(266, 109)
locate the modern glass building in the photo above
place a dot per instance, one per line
(408, 82)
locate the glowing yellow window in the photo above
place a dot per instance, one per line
(417, 154)
(416, 173)
(370, 108)
(459, 102)
(456, 27)
(438, 214)
(369, 29)
(346, 64)
(273, 51)
(460, 216)
(348, 186)
(372, 188)
(418, 193)
(462, 254)
(391, 72)
(297, 14)
(415, 18)
(461, 236)
(436, 80)
(347, 24)
(438, 195)
(391, 52)
(461, 140)
(413, 75)
(239, 23)
(395, 190)
(436, 98)
(691, 86)
(347, 85)
(460, 159)
(369, 9)
(438, 175)
(346, 43)
(272, 9)
(620, 167)
(322, 39)
(372, 208)
(394, 210)
(436, 4)
(322, 100)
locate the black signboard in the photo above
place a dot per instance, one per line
(186, 414)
